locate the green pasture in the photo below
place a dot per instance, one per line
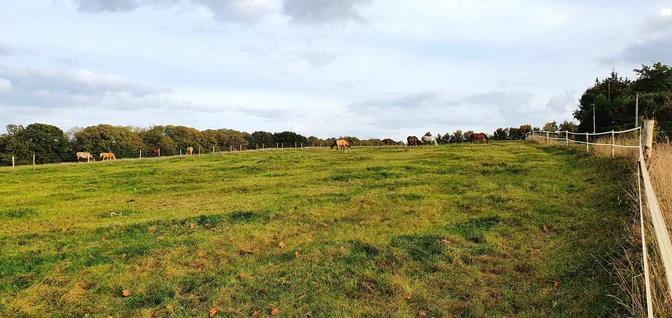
(441, 231)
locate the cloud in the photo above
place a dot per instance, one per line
(560, 102)
(5, 49)
(317, 58)
(299, 11)
(106, 5)
(508, 103)
(655, 44)
(59, 89)
(323, 11)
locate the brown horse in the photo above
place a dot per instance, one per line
(190, 151)
(387, 142)
(479, 136)
(413, 141)
(107, 155)
(342, 145)
(85, 155)
(156, 152)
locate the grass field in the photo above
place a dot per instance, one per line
(436, 231)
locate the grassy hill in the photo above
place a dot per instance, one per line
(435, 231)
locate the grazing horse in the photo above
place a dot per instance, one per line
(430, 140)
(156, 152)
(387, 142)
(108, 156)
(342, 145)
(190, 151)
(413, 141)
(85, 155)
(479, 136)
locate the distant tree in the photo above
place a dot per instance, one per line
(656, 78)
(525, 129)
(261, 138)
(14, 144)
(156, 137)
(445, 138)
(515, 134)
(457, 136)
(501, 134)
(183, 137)
(124, 142)
(48, 143)
(289, 138)
(568, 126)
(552, 126)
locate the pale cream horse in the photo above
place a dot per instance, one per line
(85, 155)
(107, 155)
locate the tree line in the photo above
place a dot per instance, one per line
(50, 144)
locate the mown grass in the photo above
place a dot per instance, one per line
(438, 231)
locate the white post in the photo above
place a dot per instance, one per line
(213, 149)
(240, 147)
(12, 162)
(547, 139)
(180, 151)
(647, 137)
(301, 145)
(140, 153)
(566, 138)
(88, 155)
(257, 146)
(230, 148)
(159, 153)
(613, 140)
(637, 110)
(33, 161)
(594, 127)
(587, 140)
(277, 145)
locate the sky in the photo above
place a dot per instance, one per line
(328, 68)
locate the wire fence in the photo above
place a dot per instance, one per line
(645, 188)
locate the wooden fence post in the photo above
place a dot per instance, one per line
(33, 161)
(613, 141)
(180, 151)
(587, 140)
(547, 139)
(240, 147)
(213, 149)
(12, 162)
(140, 153)
(257, 146)
(647, 137)
(277, 145)
(159, 153)
(263, 146)
(566, 138)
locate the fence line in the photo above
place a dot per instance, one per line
(643, 181)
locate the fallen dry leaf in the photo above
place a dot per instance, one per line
(309, 239)
(192, 225)
(212, 312)
(125, 293)
(407, 297)
(297, 254)
(275, 311)
(199, 269)
(342, 248)
(422, 314)
(170, 307)
(231, 238)
(65, 229)
(240, 276)
(282, 245)
(256, 313)
(545, 228)
(445, 242)
(556, 284)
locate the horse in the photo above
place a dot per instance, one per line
(107, 155)
(85, 155)
(429, 140)
(387, 142)
(413, 141)
(156, 152)
(479, 136)
(342, 145)
(190, 151)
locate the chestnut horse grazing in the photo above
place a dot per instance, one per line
(413, 141)
(190, 151)
(479, 136)
(108, 156)
(156, 152)
(85, 155)
(342, 145)
(387, 142)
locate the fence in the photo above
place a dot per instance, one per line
(644, 147)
